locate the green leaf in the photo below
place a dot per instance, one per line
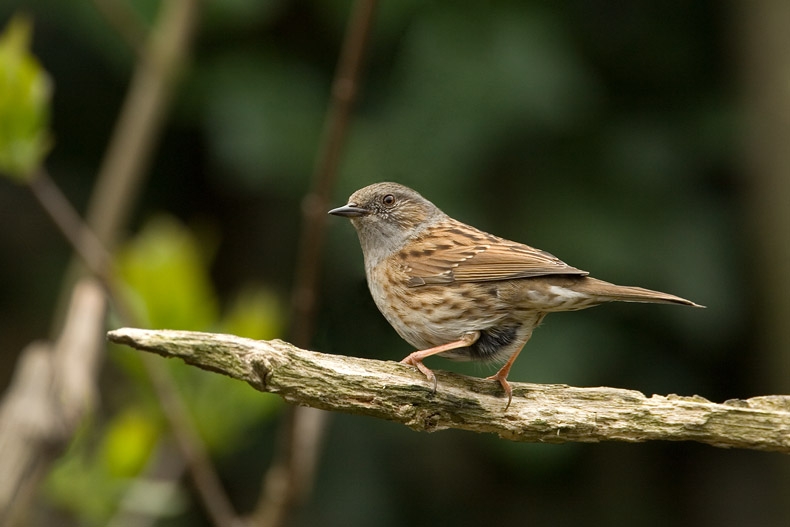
(167, 278)
(256, 314)
(25, 93)
(226, 411)
(81, 484)
(128, 443)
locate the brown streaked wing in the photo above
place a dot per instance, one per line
(464, 254)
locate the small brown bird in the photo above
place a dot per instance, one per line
(450, 289)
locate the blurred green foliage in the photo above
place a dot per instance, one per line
(608, 134)
(85, 484)
(128, 443)
(166, 275)
(25, 91)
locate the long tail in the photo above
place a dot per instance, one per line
(610, 293)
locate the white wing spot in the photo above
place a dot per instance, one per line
(567, 294)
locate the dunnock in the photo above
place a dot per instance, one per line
(450, 289)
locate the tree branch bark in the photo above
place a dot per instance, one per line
(539, 413)
(53, 388)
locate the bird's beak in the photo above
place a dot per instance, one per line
(349, 211)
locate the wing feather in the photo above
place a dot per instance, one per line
(456, 252)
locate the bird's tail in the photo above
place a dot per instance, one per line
(620, 293)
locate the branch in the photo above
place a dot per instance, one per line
(289, 479)
(141, 119)
(539, 413)
(126, 22)
(53, 387)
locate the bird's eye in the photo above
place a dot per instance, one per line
(388, 200)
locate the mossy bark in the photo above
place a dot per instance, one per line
(539, 413)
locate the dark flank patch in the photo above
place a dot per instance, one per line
(493, 291)
(492, 341)
(443, 246)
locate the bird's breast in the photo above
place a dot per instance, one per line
(431, 315)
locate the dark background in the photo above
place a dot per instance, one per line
(620, 136)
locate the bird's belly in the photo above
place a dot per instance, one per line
(431, 315)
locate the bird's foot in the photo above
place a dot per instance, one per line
(502, 378)
(415, 360)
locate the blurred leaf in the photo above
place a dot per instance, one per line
(25, 92)
(256, 314)
(91, 480)
(167, 278)
(80, 483)
(225, 410)
(128, 442)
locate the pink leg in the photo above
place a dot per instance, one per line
(502, 374)
(416, 358)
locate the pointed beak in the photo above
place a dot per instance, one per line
(349, 211)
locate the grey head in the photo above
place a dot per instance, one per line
(386, 216)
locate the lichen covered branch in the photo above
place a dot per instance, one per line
(539, 413)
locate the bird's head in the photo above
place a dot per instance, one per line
(386, 216)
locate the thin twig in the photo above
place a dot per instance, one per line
(82, 239)
(126, 22)
(290, 477)
(764, 62)
(191, 446)
(68, 221)
(316, 201)
(122, 172)
(141, 120)
(120, 177)
(539, 413)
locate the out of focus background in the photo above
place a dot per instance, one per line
(647, 142)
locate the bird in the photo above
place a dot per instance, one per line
(450, 289)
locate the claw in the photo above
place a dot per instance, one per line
(505, 386)
(417, 363)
